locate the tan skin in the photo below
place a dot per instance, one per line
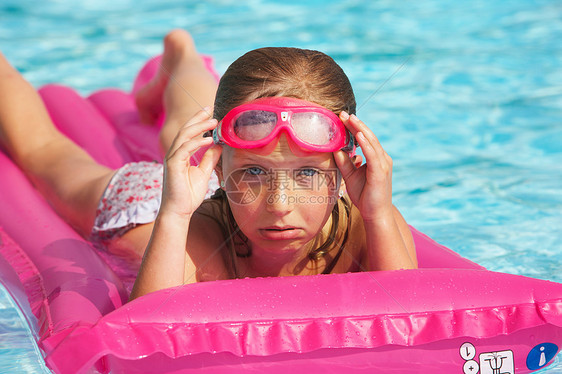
(63, 172)
(181, 245)
(380, 239)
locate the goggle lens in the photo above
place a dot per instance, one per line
(255, 124)
(313, 128)
(310, 127)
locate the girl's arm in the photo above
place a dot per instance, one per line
(165, 257)
(388, 239)
(169, 258)
(390, 245)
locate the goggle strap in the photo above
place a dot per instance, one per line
(216, 138)
(351, 143)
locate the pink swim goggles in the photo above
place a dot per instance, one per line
(257, 123)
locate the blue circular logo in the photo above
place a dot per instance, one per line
(541, 355)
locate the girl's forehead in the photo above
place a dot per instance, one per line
(280, 151)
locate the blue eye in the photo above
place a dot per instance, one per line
(307, 172)
(254, 171)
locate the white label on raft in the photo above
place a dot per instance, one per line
(467, 351)
(470, 367)
(497, 363)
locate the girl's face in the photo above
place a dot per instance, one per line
(281, 196)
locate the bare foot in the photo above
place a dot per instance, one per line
(179, 51)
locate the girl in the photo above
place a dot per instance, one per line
(282, 207)
(280, 154)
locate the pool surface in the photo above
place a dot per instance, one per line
(471, 114)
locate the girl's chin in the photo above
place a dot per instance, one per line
(277, 247)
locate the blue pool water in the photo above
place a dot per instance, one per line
(472, 117)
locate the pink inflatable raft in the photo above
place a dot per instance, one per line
(451, 315)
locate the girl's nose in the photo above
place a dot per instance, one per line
(281, 198)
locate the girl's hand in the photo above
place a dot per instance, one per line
(167, 258)
(185, 185)
(389, 243)
(369, 186)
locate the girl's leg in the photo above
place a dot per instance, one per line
(63, 172)
(182, 85)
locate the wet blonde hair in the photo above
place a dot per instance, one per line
(291, 72)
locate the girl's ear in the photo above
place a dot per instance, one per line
(342, 188)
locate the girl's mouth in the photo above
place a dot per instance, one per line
(280, 232)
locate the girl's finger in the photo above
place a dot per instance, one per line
(384, 159)
(372, 158)
(196, 129)
(353, 124)
(189, 131)
(186, 149)
(367, 132)
(367, 148)
(200, 117)
(344, 117)
(210, 159)
(371, 138)
(357, 126)
(344, 164)
(376, 157)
